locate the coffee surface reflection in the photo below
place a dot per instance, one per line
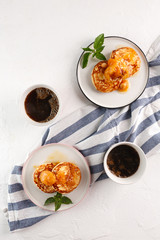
(41, 105)
(123, 161)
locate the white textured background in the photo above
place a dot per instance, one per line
(40, 42)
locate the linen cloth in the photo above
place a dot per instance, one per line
(92, 130)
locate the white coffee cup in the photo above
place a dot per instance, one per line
(137, 175)
(25, 94)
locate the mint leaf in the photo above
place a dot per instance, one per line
(100, 49)
(58, 199)
(99, 41)
(58, 195)
(66, 200)
(96, 52)
(94, 55)
(57, 205)
(49, 201)
(85, 59)
(100, 56)
(88, 49)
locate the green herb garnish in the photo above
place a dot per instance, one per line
(58, 199)
(95, 52)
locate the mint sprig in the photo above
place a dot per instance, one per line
(58, 199)
(95, 51)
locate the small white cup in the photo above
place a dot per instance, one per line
(27, 91)
(137, 175)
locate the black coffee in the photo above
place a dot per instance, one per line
(41, 104)
(123, 161)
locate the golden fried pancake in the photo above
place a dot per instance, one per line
(111, 75)
(68, 177)
(129, 57)
(105, 78)
(44, 178)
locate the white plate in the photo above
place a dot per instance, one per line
(113, 99)
(55, 152)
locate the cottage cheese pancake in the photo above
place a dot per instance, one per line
(44, 178)
(68, 177)
(105, 78)
(129, 57)
(61, 177)
(111, 75)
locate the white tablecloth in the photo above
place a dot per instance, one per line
(40, 42)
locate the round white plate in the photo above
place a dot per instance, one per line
(61, 153)
(113, 99)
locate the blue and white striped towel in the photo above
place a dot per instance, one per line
(93, 130)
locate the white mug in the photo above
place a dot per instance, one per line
(25, 94)
(135, 176)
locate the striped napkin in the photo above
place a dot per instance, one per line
(92, 130)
